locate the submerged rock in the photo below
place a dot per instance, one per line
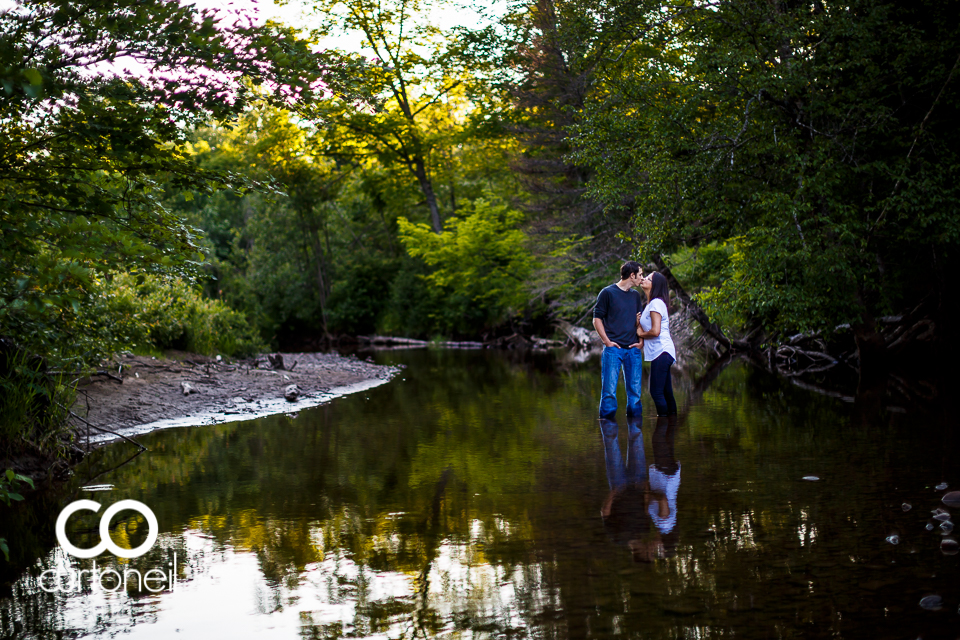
(906, 506)
(932, 603)
(930, 526)
(946, 527)
(894, 539)
(952, 499)
(811, 478)
(941, 486)
(949, 546)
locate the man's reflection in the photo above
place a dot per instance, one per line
(664, 484)
(624, 509)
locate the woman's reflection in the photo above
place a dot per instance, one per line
(664, 484)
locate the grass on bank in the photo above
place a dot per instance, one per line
(145, 314)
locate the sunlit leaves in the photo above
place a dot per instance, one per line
(95, 99)
(481, 259)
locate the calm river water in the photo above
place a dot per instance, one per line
(477, 495)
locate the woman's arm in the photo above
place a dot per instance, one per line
(654, 327)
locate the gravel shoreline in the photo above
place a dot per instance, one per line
(139, 394)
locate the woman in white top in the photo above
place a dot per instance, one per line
(654, 328)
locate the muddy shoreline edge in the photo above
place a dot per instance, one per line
(137, 395)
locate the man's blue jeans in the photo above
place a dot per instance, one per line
(612, 362)
(634, 471)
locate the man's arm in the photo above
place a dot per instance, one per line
(598, 325)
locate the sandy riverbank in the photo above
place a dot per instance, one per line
(151, 396)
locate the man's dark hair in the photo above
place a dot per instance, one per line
(628, 269)
(659, 289)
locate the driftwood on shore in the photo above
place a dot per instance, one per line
(513, 341)
(412, 342)
(578, 336)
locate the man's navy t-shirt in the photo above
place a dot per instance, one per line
(618, 310)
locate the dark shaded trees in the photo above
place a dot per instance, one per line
(551, 52)
(817, 141)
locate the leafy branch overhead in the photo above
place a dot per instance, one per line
(95, 105)
(420, 80)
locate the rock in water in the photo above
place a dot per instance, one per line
(906, 506)
(932, 603)
(291, 392)
(949, 546)
(946, 526)
(811, 478)
(894, 539)
(941, 486)
(187, 388)
(952, 499)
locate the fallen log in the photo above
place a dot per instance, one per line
(388, 340)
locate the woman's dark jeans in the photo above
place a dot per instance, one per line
(661, 387)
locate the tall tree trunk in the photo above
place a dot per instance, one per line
(420, 169)
(321, 281)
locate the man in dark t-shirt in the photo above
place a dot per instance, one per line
(615, 319)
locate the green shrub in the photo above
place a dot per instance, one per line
(172, 314)
(480, 266)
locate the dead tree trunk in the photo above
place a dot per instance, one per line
(710, 328)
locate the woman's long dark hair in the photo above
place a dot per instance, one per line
(659, 289)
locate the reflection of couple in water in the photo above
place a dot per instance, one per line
(640, 496)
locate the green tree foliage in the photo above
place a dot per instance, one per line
(548, 54)
(293, 259)
(169, 314)
(86, 146)
(817, 140)
(321, 253)
(480, 265)
(420, 81)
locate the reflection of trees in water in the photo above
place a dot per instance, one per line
(466, 500)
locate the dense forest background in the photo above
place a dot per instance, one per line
(172, 177)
